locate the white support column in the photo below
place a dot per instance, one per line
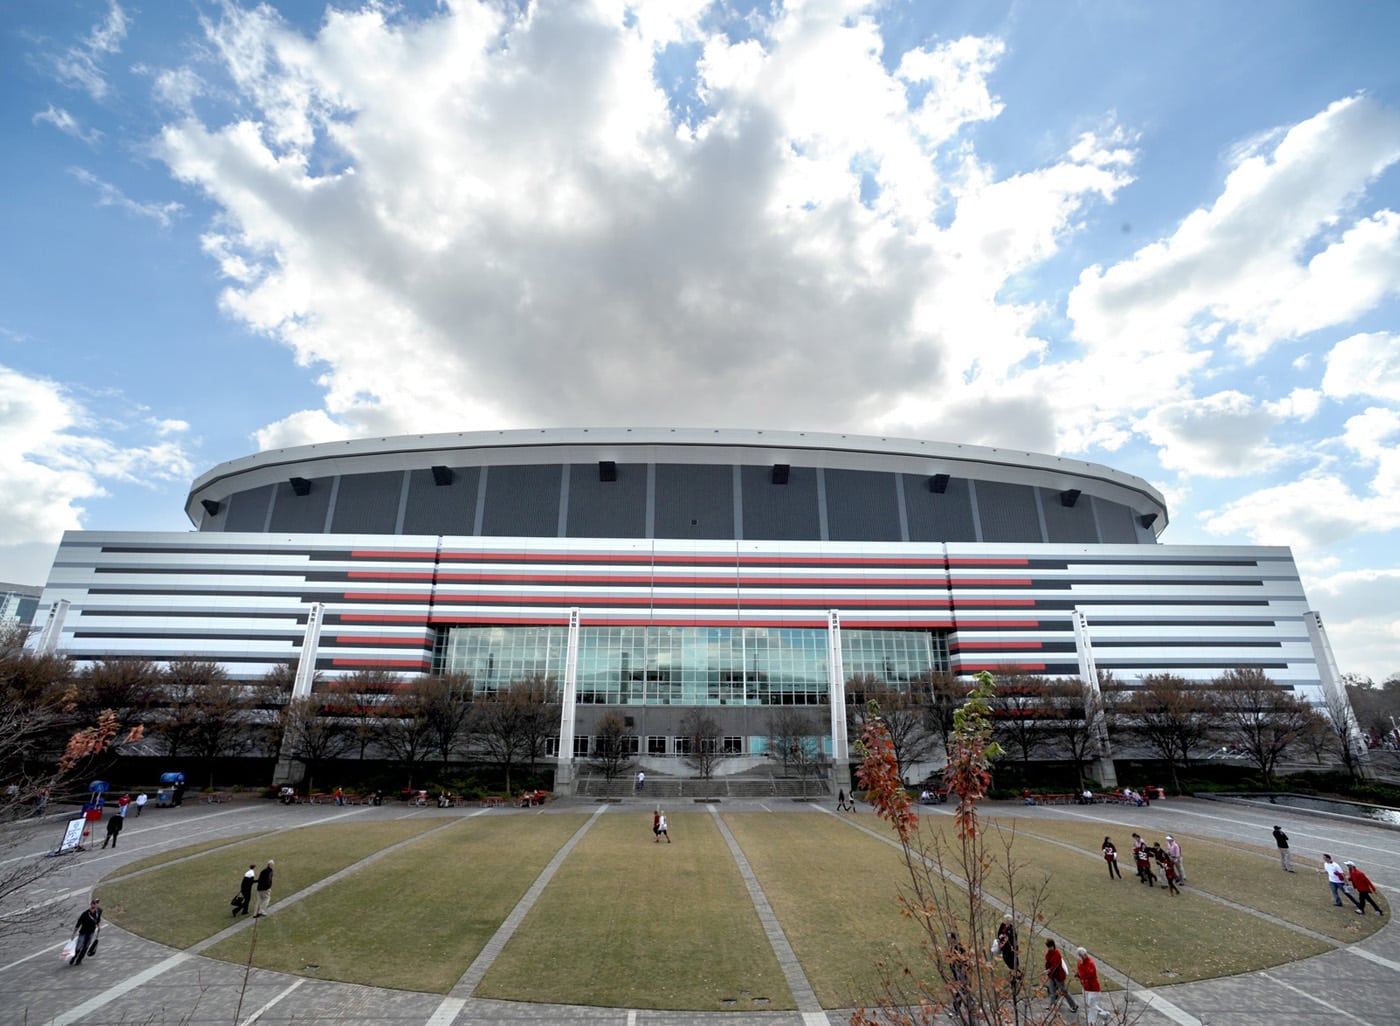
(53, 628)
(836, 695)
(310, 644)
(1093, 699)
(1333, 690)
(568, 705)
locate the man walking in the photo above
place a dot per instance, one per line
(114, 827)
(1055, 976)
(85, 931)
(1336, 879)
(141, 801)
(1281, 839)
(245, 890)
(1365, 889)
(1174, 853)
(264, 890)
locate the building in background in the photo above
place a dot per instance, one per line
(18, 604)
(656, 571)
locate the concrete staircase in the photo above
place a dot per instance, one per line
(661, 788)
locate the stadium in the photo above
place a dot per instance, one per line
(652, 572)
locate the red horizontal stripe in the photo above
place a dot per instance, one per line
(990, 582)
(997, 644)
(370, 639)
(965, 667)
(407, 663)
(698, 559)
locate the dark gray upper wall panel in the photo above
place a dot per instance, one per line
(442, 509)
(367, 503)
(247, 511)
(786, 512)
(935, 517)
(1068, 523)
(1007, 512)
(694, 501)
(861, 506)
(523, 500)
(607, 509)
(1117, 523)
(302, 514)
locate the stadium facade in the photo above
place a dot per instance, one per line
(653, 571)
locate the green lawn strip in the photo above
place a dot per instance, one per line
(834, 890)
(1246, 874)
(628, 923)
(188, 902)
(415, 919)
(1146, 933)
(165, 857)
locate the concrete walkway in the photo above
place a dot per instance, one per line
(135, 981)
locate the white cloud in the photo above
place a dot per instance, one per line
(1236, 272)
(1365, 364)
(53, 461)
(80, 65)
(511, 198)
(1359, 612)
(108, 195)
(1220, 435)
(67, 124)
(1308, 514)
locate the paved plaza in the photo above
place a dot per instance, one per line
(135, 981)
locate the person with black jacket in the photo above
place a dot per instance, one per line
(245, 891)
(85, 931)
(264, 891)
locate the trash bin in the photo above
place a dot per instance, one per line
(165, 796)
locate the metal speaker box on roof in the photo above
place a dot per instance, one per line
(442, 476)
(607, 470)
(210, 506)
(938, 484)
(300, 485)
(780, 473)
(1069, 497)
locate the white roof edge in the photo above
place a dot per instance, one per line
(653, 436)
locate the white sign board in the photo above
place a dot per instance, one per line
(72, 836)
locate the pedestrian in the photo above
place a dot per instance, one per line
(842, 804)
(1005, 946)
(641, 779)
(1365, 889)
(245, 890)
(114, 827)
(1164, 860)
(1336, 878)
(122, 803)
(1174, 853)
(1110, 855)
(1056, 977)
(661, 828)
(340, 797)
(1285, 859)
(85, 931)
(957, 969)
(1142, 859)
(264, 888)
(141, 801)
(1088, 975)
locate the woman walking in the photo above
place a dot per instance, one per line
(1110, 855)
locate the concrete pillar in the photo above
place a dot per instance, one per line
(568, 709)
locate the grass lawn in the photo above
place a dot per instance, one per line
(634, 924)
(166, 857)
(833, 889)
(188, 902)
(415, 919)
(628, 923)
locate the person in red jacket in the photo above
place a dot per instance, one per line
(1088, 975)
(1055, 976)
(1365, 889)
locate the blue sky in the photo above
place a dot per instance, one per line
(1160, 237)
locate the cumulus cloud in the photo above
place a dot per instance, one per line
(1239, 272)
(1220, 435)
(1367, 364)
(55, 460)
(1361, 618)
(516, 199)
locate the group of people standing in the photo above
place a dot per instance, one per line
(1145, 854)
(254, 881)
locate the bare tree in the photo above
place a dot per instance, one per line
(1343, 732)
(505, 723)
(314, 738)
(1024, 714)
(447, 707)
(1266, 719)
(905, 712)
(1172, 717)
(1073, 727)
(701, 731)
(537, 696)
(794, 737)
(406, 730)
(946, 694)
(610, 746)
(361, 700)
